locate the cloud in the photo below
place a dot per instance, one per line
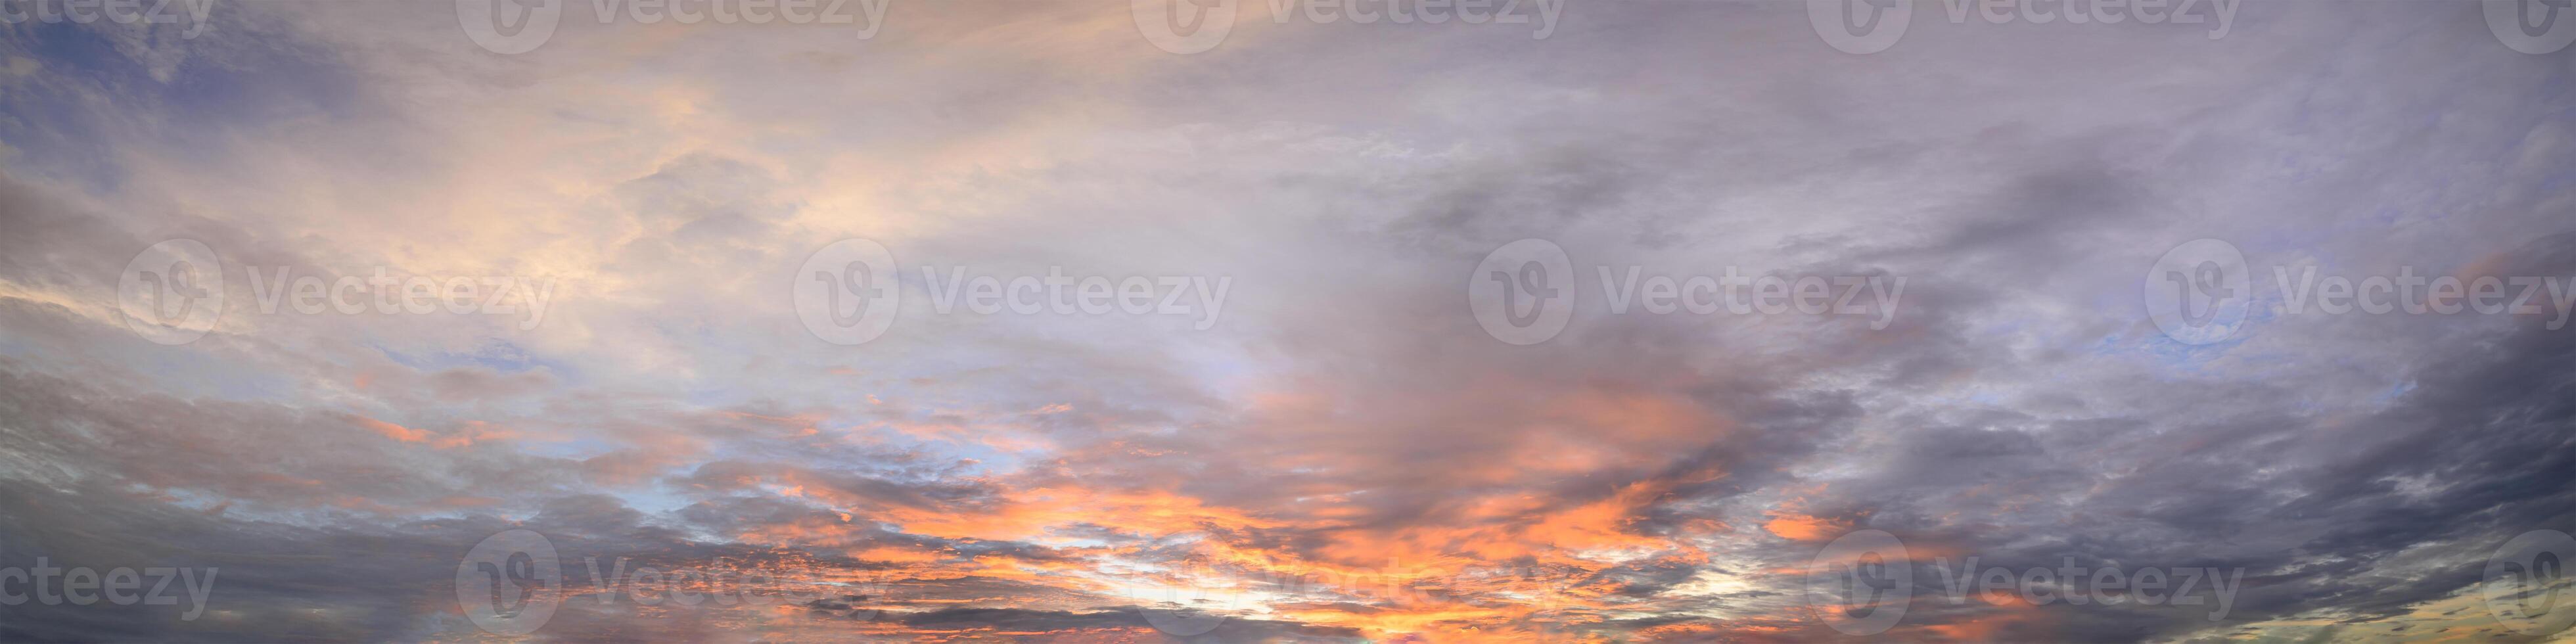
(1344, 455)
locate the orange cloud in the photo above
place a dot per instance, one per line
(1794, 526)
(393, 431)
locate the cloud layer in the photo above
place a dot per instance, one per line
(1339, 453)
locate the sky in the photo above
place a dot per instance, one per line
(1232, 321)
